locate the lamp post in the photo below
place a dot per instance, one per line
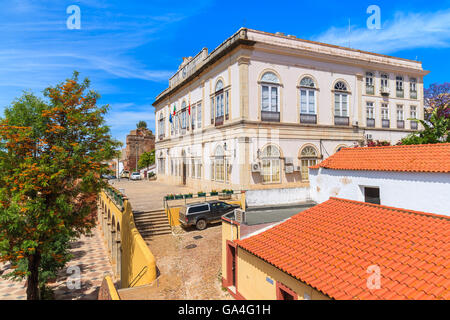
(136, 146)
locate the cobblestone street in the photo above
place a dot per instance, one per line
(89, 255)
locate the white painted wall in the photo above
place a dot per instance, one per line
(276, 196)
(428, 192)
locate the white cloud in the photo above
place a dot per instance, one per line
(405, 31)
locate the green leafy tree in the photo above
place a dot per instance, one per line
(52, 154)
(146, 159)
(437, 117)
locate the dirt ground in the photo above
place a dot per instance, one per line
(185, 273)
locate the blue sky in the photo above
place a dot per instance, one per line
(130, 48)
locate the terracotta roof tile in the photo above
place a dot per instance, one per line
(330, 246)
(411, 158)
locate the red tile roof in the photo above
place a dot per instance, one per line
(414, 158)
(330, 247)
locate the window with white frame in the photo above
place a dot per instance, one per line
(271, 164)
(413, 88)
(340, 99)
(308, 158)
(370, 110)
(161, 125)
(384, 81)
(199, 115)
(227, 103)
(369, 83)
(212, 110)
(307, 96)
(413, 112)
(270, 92)
(193, 116)
(183, 115)
(399, 83)
(219, 164)
(384, 111)
(400, 112)
(161, 165)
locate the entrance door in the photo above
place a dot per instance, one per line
(184, 171)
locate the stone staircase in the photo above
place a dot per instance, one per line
(152, 223)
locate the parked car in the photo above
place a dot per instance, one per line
(199, 214)
(135, 176)
(125, 174)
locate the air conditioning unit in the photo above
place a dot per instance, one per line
(289, 168)
(288, 161)
(239, 215)
(256, 167)
(297, 168)
(355, 123)
(368, 136)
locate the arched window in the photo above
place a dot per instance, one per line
(270, 97)
(308, 158)
(219, 104)
(308, 108)
(341, 103)
(161, 125)
(270, 158)
(183, 115)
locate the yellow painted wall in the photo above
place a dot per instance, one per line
(138, 265)
(252, 273)
(229, 232)
(112, 290)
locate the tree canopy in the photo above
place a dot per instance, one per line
(436, 122)
(51, 155)
(146, 159)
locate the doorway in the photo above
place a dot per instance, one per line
(231, 264)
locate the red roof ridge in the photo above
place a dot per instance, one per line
(420, 213)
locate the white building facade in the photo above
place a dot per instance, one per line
(261, 108)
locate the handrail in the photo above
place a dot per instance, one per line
(132, 283)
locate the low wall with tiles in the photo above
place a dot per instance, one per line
(133, 261)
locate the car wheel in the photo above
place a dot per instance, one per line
(201, 224)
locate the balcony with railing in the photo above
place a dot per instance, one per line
(413, 125)
(219, 121)
(308, 118)
(272, 116)
(370, 89)
(413, 94)
(341, 121)
(400, 124)
(370, 122)
(385, 123)
(400, 93)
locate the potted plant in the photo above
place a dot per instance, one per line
(170, 197)
(178, 196)
(201, 194)
(214, 193)
(227, 191)
(188, 196)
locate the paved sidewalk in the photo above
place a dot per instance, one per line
(147, 195)
(90, 256)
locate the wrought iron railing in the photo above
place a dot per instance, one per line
(341, 121)
(308, 118)
(413, 94)
(400, 124)
(400, 93)
(414, 125)
(385, 123)
(219, 121)
(272, 116)
(370, 89)
(370, 122)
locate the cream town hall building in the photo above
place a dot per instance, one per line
(261, 108)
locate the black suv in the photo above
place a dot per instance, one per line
(202, 213)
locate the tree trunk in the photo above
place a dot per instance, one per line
(33, 279)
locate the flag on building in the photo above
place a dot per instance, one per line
(189, 108)
(174, 109)
(170, 118)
